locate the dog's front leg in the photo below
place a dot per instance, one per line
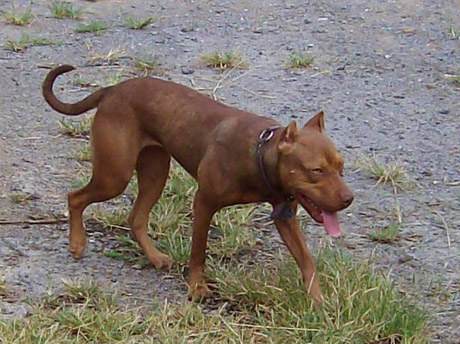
(292, 236)
(202, 215)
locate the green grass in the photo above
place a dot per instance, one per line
(392, 173)
(454, 32)
(19, 18)
(455, 79)
(223, 60)
(145, 66)
(386, 235)
(95, 26)
(76, 128)
(299, 60)
(84, 153)
(255, 305)
(171, 222)
(63, 10)
(138, 23)
(26, 41)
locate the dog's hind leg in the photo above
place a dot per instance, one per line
(114, 159)
(152, 172)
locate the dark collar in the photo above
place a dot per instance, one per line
(282, 209)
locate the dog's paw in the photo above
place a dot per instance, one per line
(77, 248)
(198, 291)
(162, 262)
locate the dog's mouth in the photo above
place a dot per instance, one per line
(328, 219)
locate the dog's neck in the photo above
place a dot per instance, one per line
(269, 156)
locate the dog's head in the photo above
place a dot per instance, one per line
(311, 169)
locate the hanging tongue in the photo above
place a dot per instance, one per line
(331, 224)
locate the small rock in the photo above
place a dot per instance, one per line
(307, 21)
(404, 259)
(444, 112)
(187, 29)
(187, 71)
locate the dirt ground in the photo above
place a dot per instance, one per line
(380, 74)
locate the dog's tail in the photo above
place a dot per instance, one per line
(78, 108)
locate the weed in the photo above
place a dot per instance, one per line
(138, 23)
(20, 197)
(392, 173)
(225, 60)
(80, 181)
(145, 66)
(299, 60)
(454, 33)
(386, 235)
(84, 153)
(74, 128)
(94, 26)
(19, 18)
(63, 9)
(26, 41)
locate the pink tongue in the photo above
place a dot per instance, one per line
(331, 224)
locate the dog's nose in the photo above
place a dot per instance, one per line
(347, 198)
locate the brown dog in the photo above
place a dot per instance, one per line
(235, 156)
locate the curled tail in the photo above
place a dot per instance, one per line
(78, 108)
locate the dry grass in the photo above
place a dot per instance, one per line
(393, 174)
(110, 57)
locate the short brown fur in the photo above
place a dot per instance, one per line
(141, 123)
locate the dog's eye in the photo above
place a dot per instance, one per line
(317, 170)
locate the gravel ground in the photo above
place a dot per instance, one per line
(380, 73)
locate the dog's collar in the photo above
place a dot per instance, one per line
(283, 209)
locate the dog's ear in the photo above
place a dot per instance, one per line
(288, 137)
(316, 122)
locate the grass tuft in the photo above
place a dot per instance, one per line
(19, 18)
(26, 41)
(393, 174)
(299, 60)
(223, 60)
(95, 26)
(146, 66)
(138, 23)
(84, 153)
(386, 235)
(64, 9)
(72, 128)
(454, 32)
(20, 197)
